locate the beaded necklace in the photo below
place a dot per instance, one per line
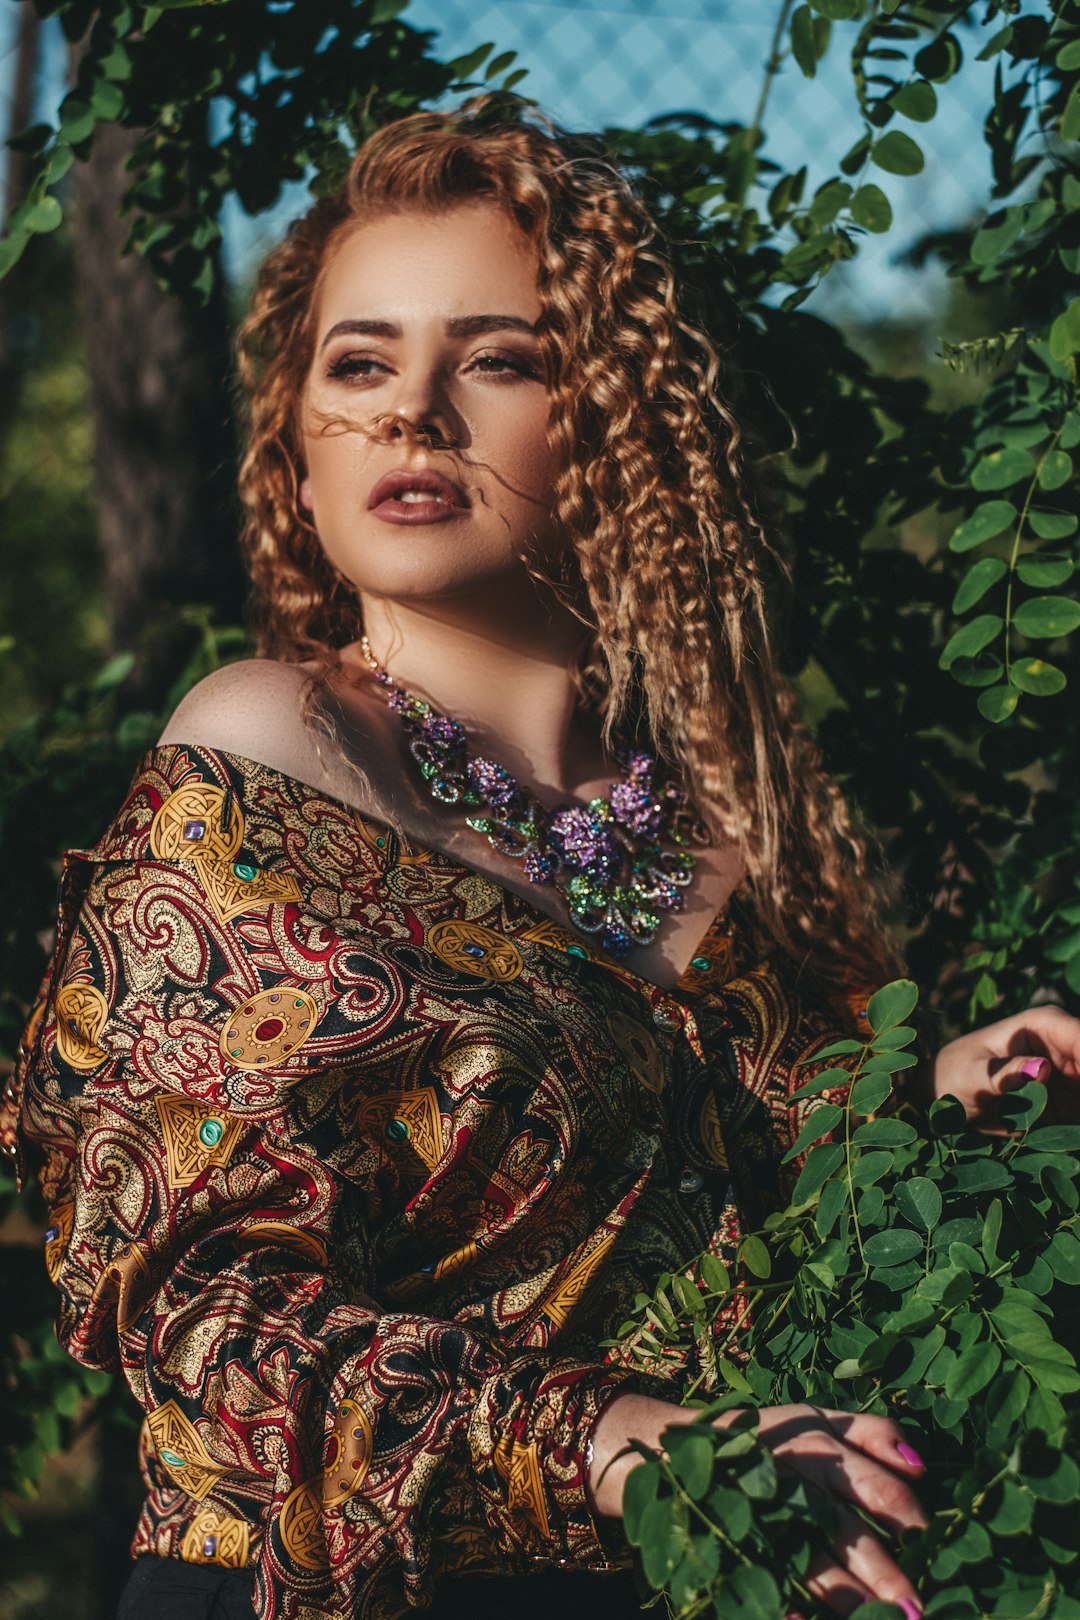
(618, 862)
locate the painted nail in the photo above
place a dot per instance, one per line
(909, 1454)
(1035, 1068)
(911, 1609)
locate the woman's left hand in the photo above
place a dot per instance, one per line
(1041, 1044)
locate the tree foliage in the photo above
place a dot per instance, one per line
(935, 551)
(922, 1271)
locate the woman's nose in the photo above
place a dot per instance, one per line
(425, 406)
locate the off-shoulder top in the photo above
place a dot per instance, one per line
(353, 1158)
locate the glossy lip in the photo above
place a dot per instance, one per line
(448, 499)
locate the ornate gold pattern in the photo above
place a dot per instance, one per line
(546, 931)
(349, 1456)
(464, 1255)
(534, 1120)
(638, 1048)
(227, 1540)
(180, 1451)
(230, 895)
(126, 1279)
(569, 1292)
(81, 1011)
(197, 803)
(280, 1235)
(269, 1027)
(301, 1525)
(418, 1111)
(471, 948)
(712, 1137)
(60, 1223)
(188, 1154)
(526, 1487)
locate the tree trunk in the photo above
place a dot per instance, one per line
(17, 174)
(164, 438)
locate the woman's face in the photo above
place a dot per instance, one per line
(429, 316)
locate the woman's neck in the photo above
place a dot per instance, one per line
(507, 682)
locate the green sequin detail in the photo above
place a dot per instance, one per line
(397, 1130)
(210, 1132)
(245, 872)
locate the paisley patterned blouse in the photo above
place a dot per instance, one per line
(353, 1159)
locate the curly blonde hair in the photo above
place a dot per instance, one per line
(657, 493)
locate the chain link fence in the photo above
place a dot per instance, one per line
(597, 63)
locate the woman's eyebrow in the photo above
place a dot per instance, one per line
(457, 326)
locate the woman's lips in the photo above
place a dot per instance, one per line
(418, 497)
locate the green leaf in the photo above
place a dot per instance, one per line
(803, 46)
(691, 1457)
(891, 1040)
(715, 1274)
(824, 1118)
(1002, 468)
(885, 1133)
(991, 241)
(975, 584)
(837, 10)
(820, 1163)
(997, 703)
(869, 1092)
(916, 100)
(1044, 572)
(1046, 617)
(1070, 118)
(971, 638)
(1052, 525)
(886, 1062)
(499, 65)
(974, 672)
(76, 121)
(1036, 677)
(44, 216)
(919, 1200)
(892, 1004)
(751, 1593)
(972, 1370)
(1056, 469)
(892, 1248)
(1063, 1257)
(464, 67)
(992, 518)
(828, 201)
(755, 1256)
(871, 209)
(897, 153)
(836, 1049)
(941, 59)
(1065, 332)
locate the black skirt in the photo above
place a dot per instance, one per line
(167, 1589)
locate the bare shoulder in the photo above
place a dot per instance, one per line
(253, 708)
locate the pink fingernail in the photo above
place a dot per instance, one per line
(909, 1454)
(1035, 1068)
(911, 1608)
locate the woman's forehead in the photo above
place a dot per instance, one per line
(420, 265)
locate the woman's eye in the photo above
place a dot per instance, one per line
(494, 365)
(350, 366)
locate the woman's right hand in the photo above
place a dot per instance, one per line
(860, 1459)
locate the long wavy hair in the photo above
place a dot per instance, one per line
(681, 581)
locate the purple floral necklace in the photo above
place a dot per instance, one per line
(606, 858)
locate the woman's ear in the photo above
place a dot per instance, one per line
(304, 494)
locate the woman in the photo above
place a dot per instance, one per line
(407, 1021)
